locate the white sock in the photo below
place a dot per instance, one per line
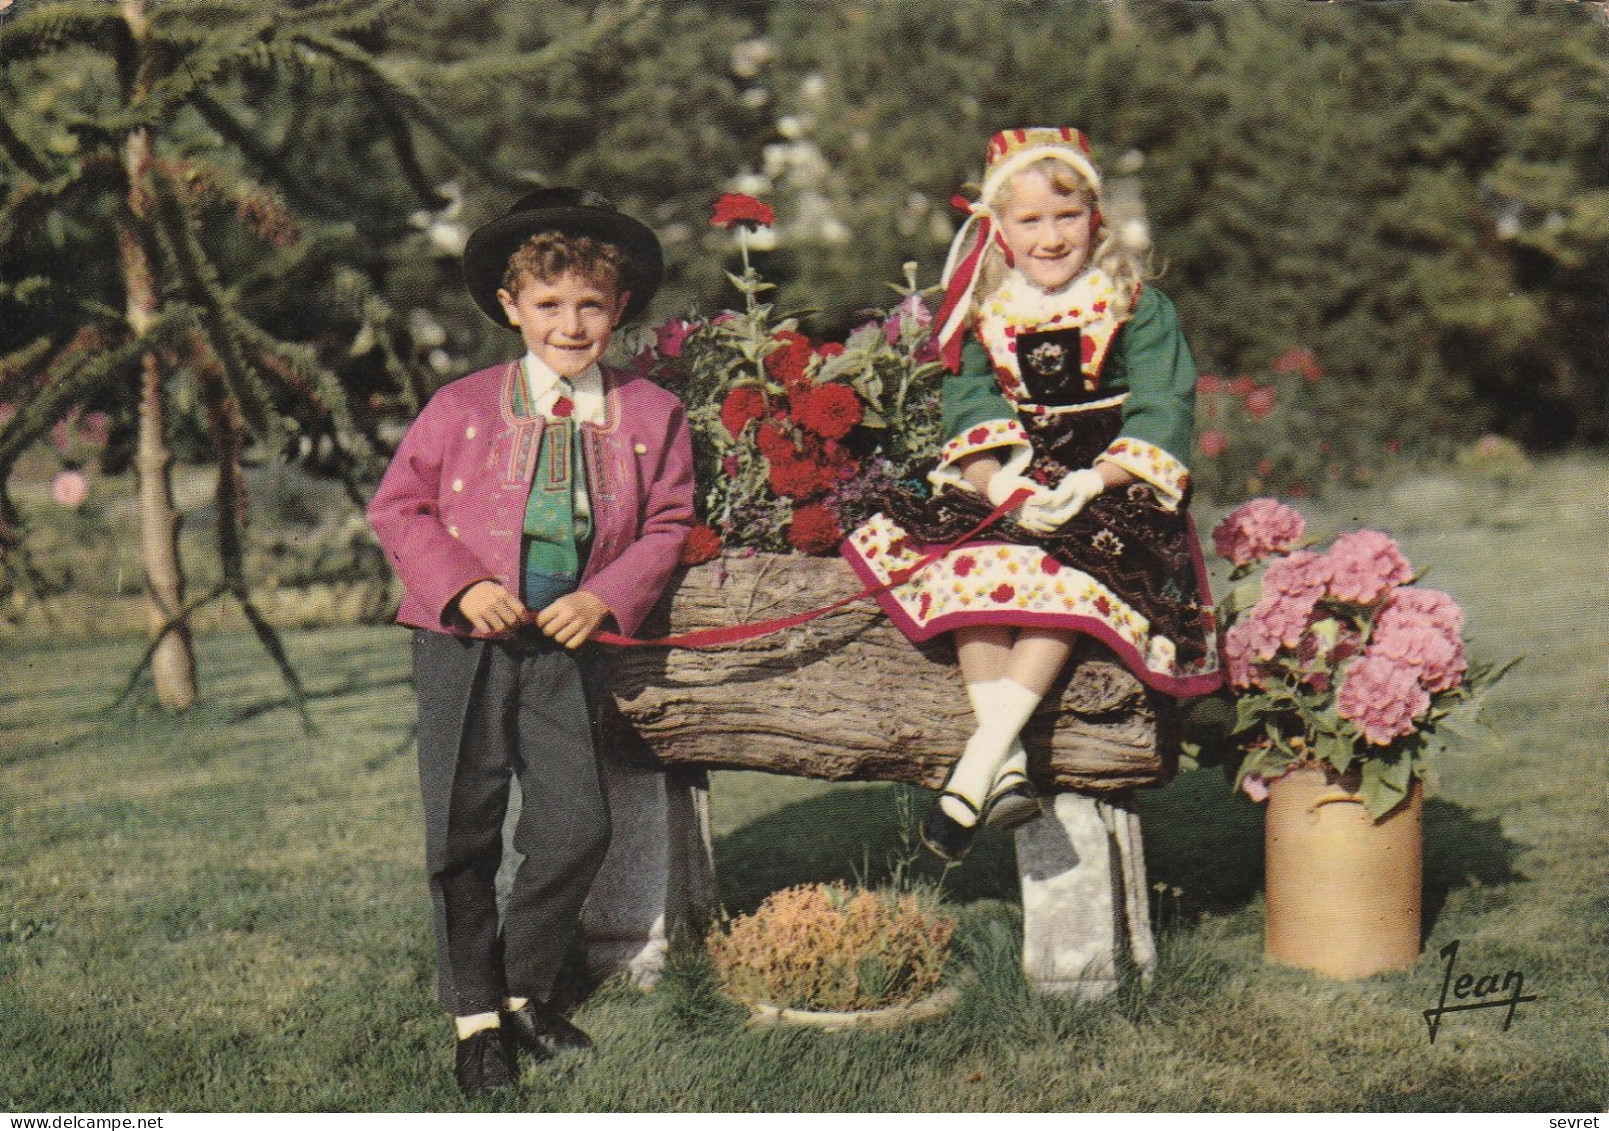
(515, 1004)
(1004, 707)
(1016, 762)
(474, 1023)
(980, 695)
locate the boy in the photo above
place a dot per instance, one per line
(551, 484)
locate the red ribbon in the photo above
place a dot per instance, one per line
(950, 348)
(736, 634)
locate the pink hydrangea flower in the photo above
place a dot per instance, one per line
(1291, 587)
(1437, 657)
(1279, 621)
(1255, 787)
(1255, 530)
(1411, 604)
(1247, 642)
(69, 489)
(1382, 697)
(1365, 565)
(1212, 442)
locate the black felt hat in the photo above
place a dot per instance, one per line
(574, 212)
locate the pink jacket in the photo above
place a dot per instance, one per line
(450, 509)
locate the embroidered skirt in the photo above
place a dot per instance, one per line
(1125, 570)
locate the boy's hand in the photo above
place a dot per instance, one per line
(574, 618)
(490, 609)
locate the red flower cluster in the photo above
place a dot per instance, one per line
(814, 530)
(789, 362)
(735, 208)
(742, 405)
(828, 410)
(1299, 360)
(702, 545)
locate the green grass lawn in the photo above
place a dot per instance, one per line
(218, 912)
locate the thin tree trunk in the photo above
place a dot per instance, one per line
(173, 665)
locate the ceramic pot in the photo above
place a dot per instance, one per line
(1343, 891)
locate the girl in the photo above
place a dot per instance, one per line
(1071, 398)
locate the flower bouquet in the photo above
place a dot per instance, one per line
(790, 436)
(1345, 677)
(1336, 658)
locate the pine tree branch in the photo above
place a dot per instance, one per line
(183, 614)
(20, 364)
(30, 200)
(346, 18)
(379, 82)
(607, 19)
(230, 498)
(407, 157)
(20, 153)
(83, 368)
(181, 243)
(39, 30)
(191, 71)
(236, 133)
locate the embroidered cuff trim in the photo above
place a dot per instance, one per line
(1166, 475)
(991, 434)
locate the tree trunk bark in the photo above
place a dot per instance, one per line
(848, 697)
(173, 666)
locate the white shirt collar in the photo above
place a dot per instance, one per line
(541, 386)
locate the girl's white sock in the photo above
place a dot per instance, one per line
(1003, 707)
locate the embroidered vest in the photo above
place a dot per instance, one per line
(556, 532)
(1048, 348)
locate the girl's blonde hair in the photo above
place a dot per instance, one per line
(1122, 265)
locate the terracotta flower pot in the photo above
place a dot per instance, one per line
(1343, 892)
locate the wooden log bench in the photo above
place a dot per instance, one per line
(847, 697)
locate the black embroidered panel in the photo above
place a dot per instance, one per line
(1052, 367)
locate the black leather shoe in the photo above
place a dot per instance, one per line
(943, 834)
(1013, 801)
(542, 1030)
(483, 1064)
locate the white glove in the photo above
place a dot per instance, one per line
(1003, 484)
(1061, 502)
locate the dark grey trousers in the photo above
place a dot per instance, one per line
(487, 712)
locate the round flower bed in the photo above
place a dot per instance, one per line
(825, 949)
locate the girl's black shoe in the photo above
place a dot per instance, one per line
(1013, 801)
(943, 834)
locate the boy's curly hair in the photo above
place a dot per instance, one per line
(548, 255)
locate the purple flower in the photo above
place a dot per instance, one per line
(669, 336)
(912, 308)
